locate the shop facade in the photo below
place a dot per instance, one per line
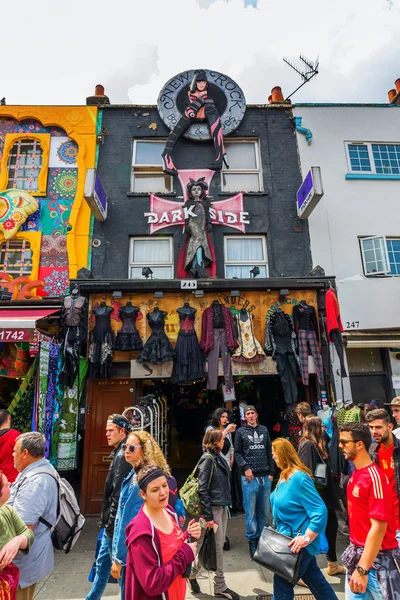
(190, 246)
(355, 232)
(44, 240)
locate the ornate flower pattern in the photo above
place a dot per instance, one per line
(67, 152)
(57, 283)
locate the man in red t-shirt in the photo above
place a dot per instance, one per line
(372, 522)
(7, 443)
(386, 453)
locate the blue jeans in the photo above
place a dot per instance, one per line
(311, 574)
(103, 568)
(373, 592)
(256, 505)
(121, 582)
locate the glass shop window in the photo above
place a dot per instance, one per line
(16, 257)
(244, 173)
(381, 159)
(245, 257)
(380, 255)
(147, 170)
(154, 254)
(24, 163)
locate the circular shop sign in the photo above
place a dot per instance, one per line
(227, 95)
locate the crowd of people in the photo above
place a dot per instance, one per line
(143, 544)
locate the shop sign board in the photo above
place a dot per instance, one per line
(309, 193)
(16, 335)
(95, 195)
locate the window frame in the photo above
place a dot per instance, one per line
(258, 170)
(149, 263)
(384, 273)
(35, 240)
(10, 140)
(243, 263)
(151, 168)
(373, 170)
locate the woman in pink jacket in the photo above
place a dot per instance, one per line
(158, 550)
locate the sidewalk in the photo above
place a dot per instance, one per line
(69, 578)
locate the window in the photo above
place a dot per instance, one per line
(244, 173)
(147, 169)
(16, 257)
(24, 163)
(380, 159)
(381, 255)
(155, 253)
(242, 253)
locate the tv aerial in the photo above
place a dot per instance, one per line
(307, 71)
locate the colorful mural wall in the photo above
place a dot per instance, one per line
(59, 143)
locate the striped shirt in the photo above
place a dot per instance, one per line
(369, 497)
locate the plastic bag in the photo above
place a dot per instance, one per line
(9, 579)
(208, 551)
(323, 544)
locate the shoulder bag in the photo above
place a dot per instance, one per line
(189, 492)
(274, 554)
(320, 473)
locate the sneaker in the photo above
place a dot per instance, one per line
(194, 586)
(229, 594)
(227, 544)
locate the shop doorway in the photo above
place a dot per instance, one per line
(369, 370)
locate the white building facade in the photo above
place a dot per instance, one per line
(355, 234)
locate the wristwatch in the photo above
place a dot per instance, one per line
(306, 537)
(362, 571)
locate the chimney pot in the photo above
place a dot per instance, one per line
(99, 90)
(397, 84)
(276, 94)
(391, 95)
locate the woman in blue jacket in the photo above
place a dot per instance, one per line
(297, 508)
(140, 448)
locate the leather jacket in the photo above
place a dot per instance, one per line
(215, 488)
(117, 472)
(373, 451)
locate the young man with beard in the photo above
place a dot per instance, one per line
(385, 452)
(373, 557)
(253, 454)
(395, 404)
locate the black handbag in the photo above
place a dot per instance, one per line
(274, 554)
(321, 473)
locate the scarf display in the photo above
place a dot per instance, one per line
(22, 404)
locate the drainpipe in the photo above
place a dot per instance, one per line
(303, 130)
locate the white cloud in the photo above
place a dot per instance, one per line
(57, 53)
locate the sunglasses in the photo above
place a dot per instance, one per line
(345, 442)
(130, 447)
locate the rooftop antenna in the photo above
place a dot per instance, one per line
(309, 71)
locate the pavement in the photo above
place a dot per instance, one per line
(69, 578)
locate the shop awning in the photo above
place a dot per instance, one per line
(24, 318)
(379, 339)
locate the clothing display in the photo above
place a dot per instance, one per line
(158, 348)
(334, 326)
(348, 415)
(73, 334)
(101, 343)
(217, 340)
(280, 343)
(326, 417)
(21, 406)
(249, 349)
(128, 337)
(294, 428)
(189, 359)
(306, 327)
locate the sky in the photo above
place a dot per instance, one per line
(55, 53)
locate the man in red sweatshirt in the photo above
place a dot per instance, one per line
(7, 443)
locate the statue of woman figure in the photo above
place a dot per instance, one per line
(198, 253)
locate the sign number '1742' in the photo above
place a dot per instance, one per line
(188, 284)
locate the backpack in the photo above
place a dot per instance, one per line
(67, 529)
(189, 492)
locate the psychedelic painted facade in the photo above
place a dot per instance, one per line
(44, 220)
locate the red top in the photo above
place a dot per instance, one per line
(170, 544)
(386, 463)
(369, 497)
(7, 443)
(333, 320)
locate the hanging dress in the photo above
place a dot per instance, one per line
(189, 359)
(101, 343)
(158, 348)
(128, 337)
(249, 349)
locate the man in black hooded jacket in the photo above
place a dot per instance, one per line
(253, 454)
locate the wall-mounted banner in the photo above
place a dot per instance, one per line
(95, 195)
(309, 193)
(166, 213)
(227, 96)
